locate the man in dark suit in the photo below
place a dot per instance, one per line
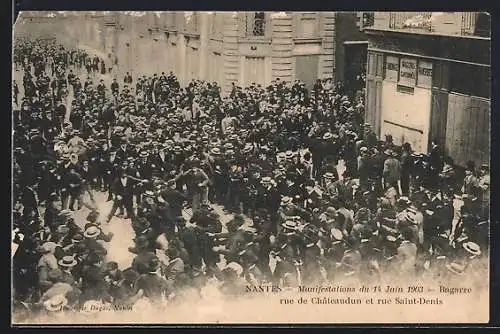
(160, 160)
(122, 188)
(174, 198)
(110, 171)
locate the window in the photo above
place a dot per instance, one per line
(256, 26)
(307, 25)
(217, 25)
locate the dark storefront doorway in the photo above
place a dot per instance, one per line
(355, 55)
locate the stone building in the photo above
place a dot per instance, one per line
(227, 47)
(429, 79)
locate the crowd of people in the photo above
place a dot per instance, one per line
(313, 195)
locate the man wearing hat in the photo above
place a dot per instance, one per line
(392, 170)
(47, 262)
(151, 285)
(268, 197)
(69, 294)
(124, 150)
(91, 234)
(66, 264)
(123, 190)
(221, 171)
(93, 283)
(471, 184)
(110, 170)
(484, 186)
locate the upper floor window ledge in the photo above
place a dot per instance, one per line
(300, 40)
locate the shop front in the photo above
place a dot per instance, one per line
(406, 101)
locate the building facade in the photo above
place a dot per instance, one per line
(429, 79)
(228, 47)
(351, 44)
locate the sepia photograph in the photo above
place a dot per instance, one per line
(176, 167)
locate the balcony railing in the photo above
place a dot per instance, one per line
(439, 23)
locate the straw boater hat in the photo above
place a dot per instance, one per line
(286, 200)
(56, 303)
(266, 180)
(472, 248)
(215, 151)
(455, 268)
(289, 154)
(327, 136)
(248, 148)
(92, 232)
(281, 156)
(290, 225)
(67, 262)
(234, 266)
(329, 175)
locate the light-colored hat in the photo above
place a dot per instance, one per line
(236, 267)
(472, 248)
(327, 136)
(455, 268)
(266, 179)
(286, 200)
(289, 154)
(92, 232)
(329, 175)
(215, 151)
(290, 225)
(56, 303)
(67, 262)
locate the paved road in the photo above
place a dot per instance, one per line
(123, 232)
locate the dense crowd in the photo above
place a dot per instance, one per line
(314, 195)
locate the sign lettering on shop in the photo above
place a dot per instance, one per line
(391, 68)
(408, 71)
(424, 73)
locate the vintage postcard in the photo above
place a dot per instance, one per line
(250, 167)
